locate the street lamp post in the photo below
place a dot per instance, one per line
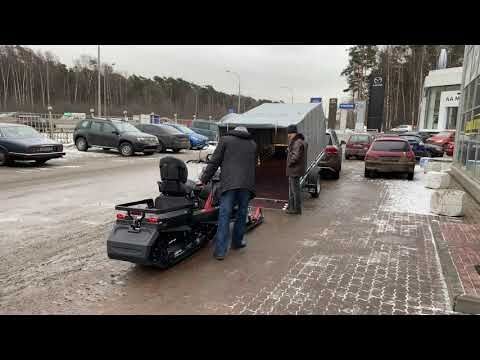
(50, 120)
(196, 101)
(238, 76)
(99, 85)
(289, 88)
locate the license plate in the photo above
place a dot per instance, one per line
(47, 148)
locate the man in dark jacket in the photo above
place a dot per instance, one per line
(235, 155)
(295, 169)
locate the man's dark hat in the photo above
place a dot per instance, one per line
(292, 129)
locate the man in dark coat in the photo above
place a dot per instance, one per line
(295, 169)
(235, 155)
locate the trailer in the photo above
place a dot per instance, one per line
(268, 124)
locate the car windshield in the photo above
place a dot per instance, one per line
(359, 139)
(123, 126)
(170, 130)
(20, 132)
(412, 138)
(184, 129)
(390, 145)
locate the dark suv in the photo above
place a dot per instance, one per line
(206, 128)
(113, 134)
(168, 137)
(331, 162)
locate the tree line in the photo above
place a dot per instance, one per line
(403, 68)
(31, 81)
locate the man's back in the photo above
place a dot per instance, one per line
(236, 155)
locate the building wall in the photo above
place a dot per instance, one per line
(467, 144)
(434, 113)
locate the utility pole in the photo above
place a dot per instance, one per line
(238, 76)
(99, 85)
(105, 89)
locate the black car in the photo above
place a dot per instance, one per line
(168, 137)
(431, 150)
(21, 142)
(113, 134)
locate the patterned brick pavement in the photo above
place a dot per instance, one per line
(366, 262)
(464, 245)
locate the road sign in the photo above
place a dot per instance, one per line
(347, 106)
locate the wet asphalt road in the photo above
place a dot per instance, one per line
(353, 251)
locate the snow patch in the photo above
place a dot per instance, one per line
(407, 196)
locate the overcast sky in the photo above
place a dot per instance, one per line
(310, 70)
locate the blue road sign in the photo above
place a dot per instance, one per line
(347, 106)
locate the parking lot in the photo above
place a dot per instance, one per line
(365, 246)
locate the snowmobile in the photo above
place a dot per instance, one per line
(161, 232)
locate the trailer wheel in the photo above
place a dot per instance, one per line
(317, 187)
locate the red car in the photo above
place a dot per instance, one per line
(358, 145)
(450, 148)
(390, 154)
(442, 138)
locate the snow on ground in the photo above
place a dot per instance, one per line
(407, 196)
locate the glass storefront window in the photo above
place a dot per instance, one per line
(477, 96)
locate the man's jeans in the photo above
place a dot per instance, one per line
(228, 200)
(294, 194)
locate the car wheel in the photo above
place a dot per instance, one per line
(126, 149)
(176, 150)
(336, 175)
(106, 149)
(368, 174)
(81, 144)
(40, 162)
(4, 160)
(161, 148)
(410, 175)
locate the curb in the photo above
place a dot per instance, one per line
(454, 285)
(467, 304)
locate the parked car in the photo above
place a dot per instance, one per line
(442, 138)
(358, 145)
(431, 150)
(197, 141)
(390, 154)
(402, 128)
(427, 133)
(450, 148)
(168, 137)
(206, 128)
(21, 142)
(417, 145)
(113, 134)
(332, 158)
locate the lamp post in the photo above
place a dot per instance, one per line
(289, 88)
(49, 108)
(196, 101)
(99, 85)
(238, 76)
